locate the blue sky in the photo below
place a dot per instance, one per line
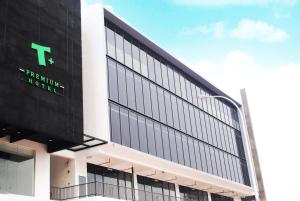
(173, 25)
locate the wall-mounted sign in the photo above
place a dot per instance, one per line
(41, 72)
(39, 79)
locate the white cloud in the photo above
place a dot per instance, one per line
(216, 29)
(274, 103)
(234, 2)
(258, 30)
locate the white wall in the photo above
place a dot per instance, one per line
(62, 171)
(42, 174)
(95, 93)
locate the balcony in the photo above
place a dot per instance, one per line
(94, 189)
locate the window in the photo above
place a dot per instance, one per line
(183, 88)
(190, 194)
(154, 101)
(122, 85)
(192, 153)
(203, 126)
(161, 104)
(188, 91)
(147, 98)
(171, 80)
(119, 48)
(193, 121)
(144, 67)
(142, 134)
(197, 155)
(208, 159)
(186, 154)
(166, 141)
(130, 90)
(110, 43)
(158, 140)
(150, 137)
(181, 116)
(177, 84)
(115, 123)
(133, 125)
(139, 93)
(125, 127)
(203, 156)
(158, 72)
(173, 145)
(187, 118)
(168, 108)
(136, 58)
(179, 147)
(16, 169)
(215, 197)
(151, 68)
(128, 54)
(175, 112)
(164, 72)
(194, 94)
(112, 80)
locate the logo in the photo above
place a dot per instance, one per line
(40, 80)
(41, 50)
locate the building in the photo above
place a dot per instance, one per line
(92, 109)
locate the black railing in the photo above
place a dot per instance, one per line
(109, 190)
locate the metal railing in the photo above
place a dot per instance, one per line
(109, 190)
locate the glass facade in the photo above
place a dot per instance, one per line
(16, 170)
(192, 194)
(155, 108)
(215, 197)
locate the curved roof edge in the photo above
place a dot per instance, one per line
(164, 54)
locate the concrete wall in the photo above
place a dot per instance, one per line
(95, 93)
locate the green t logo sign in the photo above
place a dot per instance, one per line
(41, 53)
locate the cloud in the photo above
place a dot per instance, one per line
(258, 30)
(216, 29)
(274, 105)
(234, 2)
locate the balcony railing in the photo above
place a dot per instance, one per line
(108, 190)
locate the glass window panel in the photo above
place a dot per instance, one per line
(187, 118)
(198, 124)
(203, 156)
(125, 127)
(231, 167)
(166, 143)
(199, 97)
(188, 91)
(208, 159)
(203, 126)
(173, 145)
(150, 137)
(218, 162)
(133, 125)
(144, 67)
(179, 147)
(128, 53)
(119, 48)
(227, 166)
(226, 138)
(183, 88)
(175, 112)
(142, 134)
(222, 137)
(158, 140)
(186, 153)
(139, 93)
(136, 58)
(112, 80)
(197, 155)
(207, 123)
(213, 160)
(194, 94)
(115, 123)
(168, 108)
(161, 104)
(181, 116)
(238, 165)
(223, 165)
(193, 121)
(158, 72)
(192, 153)
(165, 78)
(110, 43)
(171, 79)
(216, 125)
(122, 85)
(213, 131)
(151, 68)
(130, 90)
(177, 84)
(154, 101)
(147, 97)
(213, 107)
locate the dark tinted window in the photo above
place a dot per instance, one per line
(139, 93)
(147, 97)
(130, 90)
(173, 145)
(166, 143)
(154, 100)
(122, 85)
(125, 127)
(158, 139)
(150, 137)
(168, 108)
(113, 80)
(161, 104)
(115, 123)
(175, 112)
(134, 131)
(142, 134)
(186, 154)
(181, 115)
(179, 147)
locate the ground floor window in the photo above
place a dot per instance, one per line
(109, 182)
(215, 197)
(192, 194)
(16, 170)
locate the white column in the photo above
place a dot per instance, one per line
(135, 186)
(177, 192)
(209, 196)
(237, 199)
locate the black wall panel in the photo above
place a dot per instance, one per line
(30, 111)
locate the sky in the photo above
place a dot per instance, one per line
(234, 44)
